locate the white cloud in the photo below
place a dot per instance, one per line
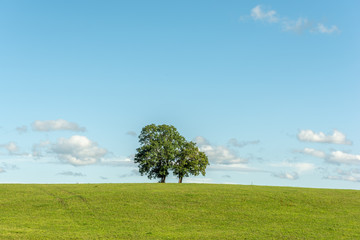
(54, 125)
(259, 13)
(235, 143)
(12, 149)
(218, 154)
(301, 24)
(299, 167)
(2, 170)
(309, 136)
(321, 28)
(78, 150)
(352, 175)
(344, 158)
(37, 149)
(287, 175)
(118, 161)
(314, 152)
(298, 26)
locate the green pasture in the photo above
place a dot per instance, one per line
(176, 211)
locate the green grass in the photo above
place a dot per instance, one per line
(176, 211)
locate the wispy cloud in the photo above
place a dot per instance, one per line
(22, 129)
(292, 170)
(56, 125)
(260, 13)
(134, 172)
(235, 143)
(313, 152)
(287, 175)
(298, 25)
(131, 133)
(298, 167)
(321, 28)
(70, 173)
(344, 158)
(12, 149)
(336, 137)
(352, 175)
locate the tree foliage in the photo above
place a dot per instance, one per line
(190, 161)
(163, 149)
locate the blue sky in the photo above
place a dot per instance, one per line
(267, 89)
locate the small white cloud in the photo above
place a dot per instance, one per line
(2, 170)
(298, 26)
(218, 154)
(259, 13)
(321, 28)
(343, 158)
(78, 150)
(309, 136)
(235, 143)
(12, 149)
(314, 152)
(55, 125)
(287, 175)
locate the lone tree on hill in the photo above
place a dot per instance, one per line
(162, 148)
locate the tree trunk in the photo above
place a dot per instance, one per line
(162, 179)
(180, 179)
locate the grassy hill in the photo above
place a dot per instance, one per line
(176, 211)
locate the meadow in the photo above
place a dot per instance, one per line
(176, 211)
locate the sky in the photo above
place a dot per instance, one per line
(267, 89)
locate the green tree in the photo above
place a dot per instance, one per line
(159, 147)
(190, 160)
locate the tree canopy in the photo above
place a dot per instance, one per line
(162, 149)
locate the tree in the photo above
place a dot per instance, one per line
(162, 148)
(159, 147)
(190, 161)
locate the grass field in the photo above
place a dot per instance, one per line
(176, 211)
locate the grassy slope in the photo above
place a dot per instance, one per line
(176, 211)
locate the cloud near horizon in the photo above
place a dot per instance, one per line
(287, 175)
(70, 173)
(56, 125)
(352, 175)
